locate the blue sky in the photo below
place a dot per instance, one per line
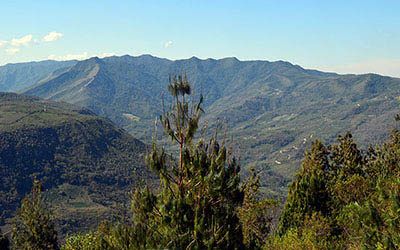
(343, 36)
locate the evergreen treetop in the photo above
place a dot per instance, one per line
(196, 206)
(33, 227)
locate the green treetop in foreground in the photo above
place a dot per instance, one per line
(196, 206)
(33, 227)
(200, 203)
(342, 197)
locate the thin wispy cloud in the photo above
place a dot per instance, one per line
(168, 44)
(106, 54)
(81, 56)
(12, 51)
(67, 57)
(52, 36)
(2, 43)
(23, 41)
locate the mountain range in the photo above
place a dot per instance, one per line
(268, 111)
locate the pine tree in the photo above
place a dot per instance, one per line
(348, 165)
(375, 220)
(33, 227)
(346, 158)
(309, 192)
(196, 205)
(256, 214)
(356, 194)
(4, 242)
(375, 223)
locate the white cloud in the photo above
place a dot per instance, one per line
(3, 43)
(168, 44)
(12, 51)
(67, 57)
(52, 36)
(25, 40)
(106, 54)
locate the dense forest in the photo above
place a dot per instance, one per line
(86, 164)
(341, 198)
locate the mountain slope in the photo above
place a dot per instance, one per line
(18, 76)
(85, 162)
(272, 110)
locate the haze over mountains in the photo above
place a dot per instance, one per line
(16, 77)
(272, 110)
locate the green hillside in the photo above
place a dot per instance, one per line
(342, 197)
(84, 161)
(15, 77)
(272, 109)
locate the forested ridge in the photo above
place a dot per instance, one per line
(86, 164)
(342, 197)
(272, 110)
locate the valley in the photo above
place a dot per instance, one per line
(271, 110)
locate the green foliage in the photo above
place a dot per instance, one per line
(64, 145)
(4, 242)
(196, 206)
(269, 107)
(33, 227)
(314, 233)
(342, 197)
(309, 191)
(88, 241)
(361, 196)
(375, 219)
(375, 223)
(256, 214)
(347, 172)
(329, 179)
(107, 237)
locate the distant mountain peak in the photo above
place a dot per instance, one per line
(268, 105)
(147, 55)
(194, 58)
(90, 61)
(231, 58)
